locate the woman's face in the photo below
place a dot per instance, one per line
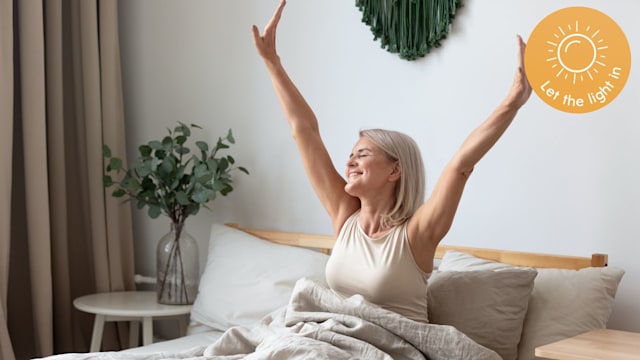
(369, 169)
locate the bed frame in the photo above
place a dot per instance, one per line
(325, 243)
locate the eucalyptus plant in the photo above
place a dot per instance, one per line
(170, 179)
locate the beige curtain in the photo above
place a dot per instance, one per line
(61, 234)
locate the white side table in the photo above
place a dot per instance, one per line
(134, 306)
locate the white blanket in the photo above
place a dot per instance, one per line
(318, 324)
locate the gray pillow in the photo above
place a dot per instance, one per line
(563, 303)
(488, 306)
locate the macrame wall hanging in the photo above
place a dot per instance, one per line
(410, 28)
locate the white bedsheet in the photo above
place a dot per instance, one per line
(189, 342)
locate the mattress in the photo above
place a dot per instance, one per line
(196, 340)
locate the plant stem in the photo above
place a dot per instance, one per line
(176, 252)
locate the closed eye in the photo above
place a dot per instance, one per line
(359, 156)
(361, 153)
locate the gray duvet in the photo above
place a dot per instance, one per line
(318, 324)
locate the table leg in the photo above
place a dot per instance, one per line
(147, 330)
(182, 324)
(134, 333)
(96, 337)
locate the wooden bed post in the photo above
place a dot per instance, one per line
(325, 243)
(599, 260)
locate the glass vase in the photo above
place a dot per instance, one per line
(178, 273)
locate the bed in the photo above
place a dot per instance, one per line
(482, 304)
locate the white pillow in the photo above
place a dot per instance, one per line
(563, 303)
(245, 277)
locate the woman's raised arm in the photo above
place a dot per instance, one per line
(434, 218)
(325, 179)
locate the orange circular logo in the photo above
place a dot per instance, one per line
(577, 59)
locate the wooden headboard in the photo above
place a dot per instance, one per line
(518, 258)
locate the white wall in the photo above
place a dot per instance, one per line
(555, 183)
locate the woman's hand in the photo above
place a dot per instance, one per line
(520, 89)
(266, 43)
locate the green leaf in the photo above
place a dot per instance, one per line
(183, 129)
(225, 177)
(106, 152)
(226, 190)
(205, 178)
(118, 193)
(149, 196)
(154, 211)
(155, 145)
(203, 146)
(167, 143)
(200, 170)
(181, 139)
(115, 163)
(210, 194)
(230, 137)
(212, 164)
(125, 181)
(199, 196)
(220, 185)
(168, 165)
(203, 195)
(182, 150)
(145, 150)
(221, 145)
(223, 164)
(107, 181)
(178, 178)
(230, 159)
(241, 168)
(161, 154)
(152, 164)
(192, 209)
(142, 170)
(132, 185)
(148, 184)
(182, 198)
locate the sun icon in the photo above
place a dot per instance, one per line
(577, 59)
(577, 55)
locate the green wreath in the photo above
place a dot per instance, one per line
(410, 28)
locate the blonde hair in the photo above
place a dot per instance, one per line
(410, 189)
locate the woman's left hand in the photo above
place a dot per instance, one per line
(520, 89)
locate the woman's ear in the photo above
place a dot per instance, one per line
(395, 172)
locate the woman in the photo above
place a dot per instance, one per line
(386, 235)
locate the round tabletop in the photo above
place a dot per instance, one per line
(128, 303)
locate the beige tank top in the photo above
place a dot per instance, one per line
(382, 270)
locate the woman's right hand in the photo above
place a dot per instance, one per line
(266, 42)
